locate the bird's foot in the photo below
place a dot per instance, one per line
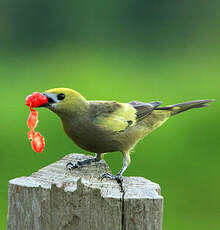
(80, 164)
(116, 177)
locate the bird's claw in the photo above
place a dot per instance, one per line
(71, 166)
(116, 177)
(80, 164)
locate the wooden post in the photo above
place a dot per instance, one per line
(55, 199)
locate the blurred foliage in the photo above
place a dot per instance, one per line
(145, 50)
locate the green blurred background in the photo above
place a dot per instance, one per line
(119, 50)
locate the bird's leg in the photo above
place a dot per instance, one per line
(117, 177)
(80, 164)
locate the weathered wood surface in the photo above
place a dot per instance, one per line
(56, 199)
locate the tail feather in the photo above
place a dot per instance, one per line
(179, 108)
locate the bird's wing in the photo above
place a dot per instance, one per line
(112, 115)
(117, 117)
(144, 109)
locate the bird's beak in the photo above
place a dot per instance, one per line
(51, 99)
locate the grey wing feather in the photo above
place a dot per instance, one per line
(144, 109)
(102, 107)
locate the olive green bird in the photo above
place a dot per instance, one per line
(108, 126)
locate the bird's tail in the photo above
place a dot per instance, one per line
(179, 108)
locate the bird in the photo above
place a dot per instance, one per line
(103, 127)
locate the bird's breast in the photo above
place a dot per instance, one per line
(90, 137)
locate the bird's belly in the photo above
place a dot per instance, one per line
(93, 139)
(104, 143)
(96, 143)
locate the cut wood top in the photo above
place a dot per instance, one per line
(57, 175)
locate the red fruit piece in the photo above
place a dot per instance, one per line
(32, 119)
(35, 100)
(37, 142)
(30, 134)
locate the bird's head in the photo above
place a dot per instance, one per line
(63, 101)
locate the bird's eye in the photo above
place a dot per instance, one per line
(60, 96)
